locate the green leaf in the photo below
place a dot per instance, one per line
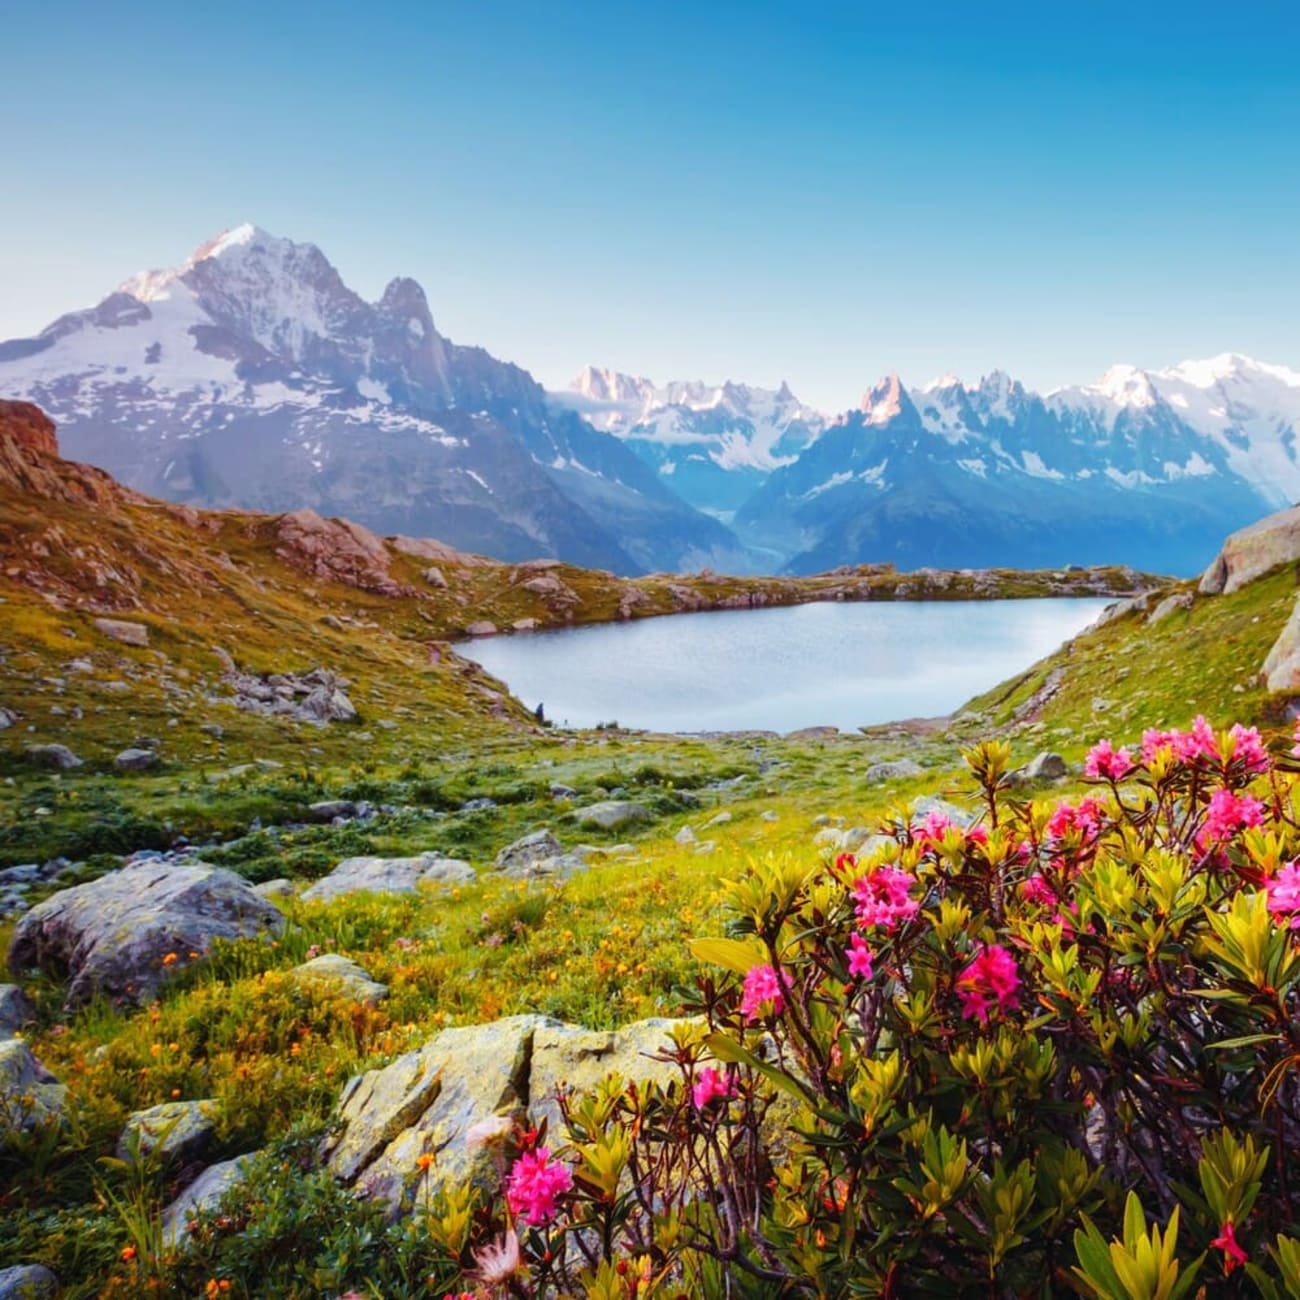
(733, 954)
(727, 1049)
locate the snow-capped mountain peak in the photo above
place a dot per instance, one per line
(1127, 386)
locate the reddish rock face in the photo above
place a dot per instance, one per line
(29, 427)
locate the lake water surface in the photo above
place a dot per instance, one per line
(841, 665)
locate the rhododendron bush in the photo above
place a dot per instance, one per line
(1053, 1050)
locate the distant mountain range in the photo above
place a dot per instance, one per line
(253, 376)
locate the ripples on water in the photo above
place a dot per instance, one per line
(844, 665)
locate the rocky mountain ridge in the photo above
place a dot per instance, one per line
(252, 376)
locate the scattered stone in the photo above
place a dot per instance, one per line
(135, 760)
(127, 633)
(771, 816)
(15, 1010)
(1179, 600)
(895, 771)
(560, 791)
(822, 819)
(28, 1282)
(481, 628)
(7, 719)
(1045, 766)
(58, 757)
(719, 819)
(326, 810)
(277, 888)
(478, 805)
(705, 846)
(525, 625)
(1134, 604)
(923, 805)
(341, 974)
(30, 1096)
(389, 876)
(610, 814)
(685, 836)
(175, 1132)
(434, 577)
(203, 1195)
(122, 934)
(523, 854)
(317, 696)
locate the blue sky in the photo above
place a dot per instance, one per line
(813, 192)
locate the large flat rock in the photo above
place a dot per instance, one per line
(389, 876)
(1251, 552)
(121, 935)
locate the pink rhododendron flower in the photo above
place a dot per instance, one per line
(1035, 889)
(883, 899)
(1083, 818)
(931, 829)
(761, 989)
(1227, 814)
(990, 980)
(1249, 749)
(1284, 893)
(1295, 749)
(1226, 1241)
(710, 1085)
(1188, 747)
(1105, 763)
(534, 1183)
(859, 956)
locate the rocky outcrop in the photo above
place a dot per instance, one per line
(318, 696)
(30, 1096)
(1251, 552)
(389, 876)
(58, 757)
(1178, 600)
(121, 935)
(29, 428)
(336, 550)
(429, 1101)
(894, 771)
(538, 854)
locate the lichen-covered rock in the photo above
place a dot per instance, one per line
(1251, 552)
(122, 934)
(610, 814)
(424, 1103)
(29, 1094)
(15, 1010)
(174, 1132)
(202, 1195)
(28, 1282)
(389, 876)
(340, 974)
(570, 1057)
(523, 853)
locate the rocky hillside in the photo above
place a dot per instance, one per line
(252, 376)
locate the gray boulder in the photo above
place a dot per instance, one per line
(327, 703)
(30, 1096)
(1045, 766)
(58, 757)
(1281, 667)
(277, 888)
(7, 718)
(340, 974)
(538, 854)
(1251, 552)
(610, 814)
(895, 771)
(923, 805)
(327, 809)
(389, 876)
(135, 760)
(15, 1010)
(1178, 600)
(175, 1132)
(202, 1196)
(28, 1282)
(122, 934)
